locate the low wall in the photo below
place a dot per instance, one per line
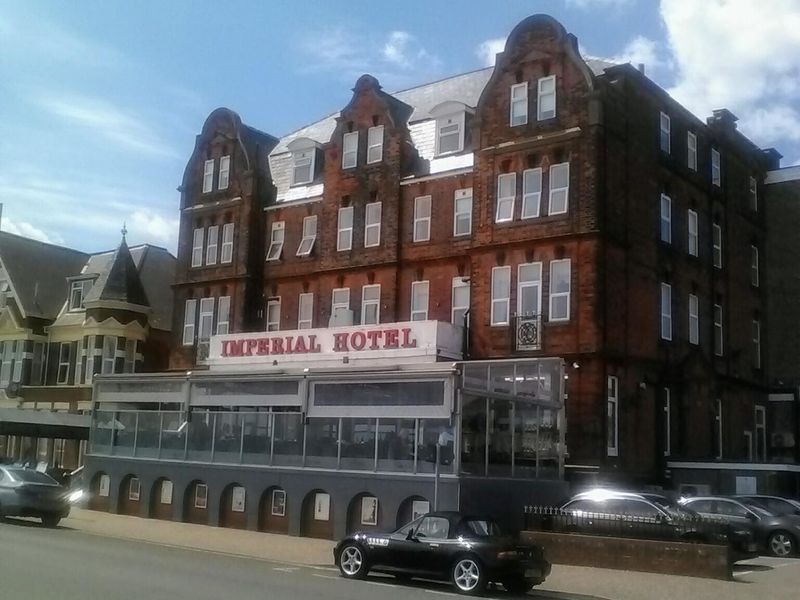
(664, 556)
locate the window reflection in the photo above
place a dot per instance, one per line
(358, 444)
(322, 437)
(396, 439)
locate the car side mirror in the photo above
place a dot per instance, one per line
(410, 536)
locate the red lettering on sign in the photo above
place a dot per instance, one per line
(277, 345)
(300, 345)
(340, 342)
(373, 337)
(236, 348)
(263, 346)
(224, 349)
(313, 346)
(358, 340)
(390, 338)
(288, 339)
(407, 341)
(250, 345)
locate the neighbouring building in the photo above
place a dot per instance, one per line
(544, 271)
(66, 317)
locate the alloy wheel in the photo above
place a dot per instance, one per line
(466, 575)
(780, 544)
(351, 561)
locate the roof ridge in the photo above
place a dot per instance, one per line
(42, 243)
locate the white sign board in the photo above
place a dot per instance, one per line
(237, 499)
(166, 492)
(369, 510)
(746, 485)
(322, 507)
(105, 486)
(419, 508)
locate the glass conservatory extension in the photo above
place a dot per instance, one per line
(492, 418)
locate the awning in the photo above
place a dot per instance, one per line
(44, 423)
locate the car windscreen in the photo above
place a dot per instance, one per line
(480, 528)
(671, 508)
(30, 476)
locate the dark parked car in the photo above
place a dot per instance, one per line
(649, 516)
(774, 504)
(777, 534)
(468, 551)
(28, 493)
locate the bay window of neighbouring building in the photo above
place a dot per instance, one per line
(450, 134)
(375, 144)
(211, 245)
(460, 301)
(37, 364)
(372, 225)
(109, 354)
(274, 314)
(501, 295)
(559, 189)
(224, 172)
(227, 244)
(531, 193)
(129, 365)
(344, 238)
(64, 362)
(88, 374)
(506, 192)
(305, 311)
(7, 361)
(546, 98)
(371, 304)
(350, 150)
(208, 175)
(560, 289)
(422, 219)
(529, 289)
(277, 235)
(612, 416)
(665, 133)
(419, 300)
(666, 311)
(309, 236)
(519, 104)
(189, 317)
(462, 212)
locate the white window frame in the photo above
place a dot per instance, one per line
(417, 311)
(309, 236)
(667, 422)
(226, 253)
(5, 363)
(74, 287)
(129, 364)
(459, 283)
(37, 363)
(305, 300)
(134, 489)
(515, 99)
(212, 245)
(88, 373)
(540, 95)
(500, 297)
(208, 176)
(277, 237)
(339, 305)
(201, 501)
(718, 424)
(716, 168)
(523, 283)
(206, 314)
(350, 150)
(716, 234)
(460, 215)
(694, 319)
(665, 133)
(302, 159)
(16, 373)
(665, 219)
(109, 356)
(666, 311)
(223, 179)
(719, 331)
(375, 146)
(425, 220)
(756, 344)
(556, 295)
(456, 119)
(189, 319)
(66, 364)
(197, 246)
(376, 302)
(612, 414)
(691, 150)
(223, 315)
(753, 194)
(342, 245)
(693, 242)
(373, 213)
(754, 266)
(555, 190)
(273, 324)
(503, 201)
(531, 198)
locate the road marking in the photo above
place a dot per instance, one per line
(286, 569)
(324, 576)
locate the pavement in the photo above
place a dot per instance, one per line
(99, 555)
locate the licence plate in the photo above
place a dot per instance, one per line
(532, 573)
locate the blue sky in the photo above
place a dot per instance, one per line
(100, 101)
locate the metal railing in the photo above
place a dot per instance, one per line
(527, 332)
(687, 528)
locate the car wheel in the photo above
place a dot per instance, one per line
(468, 576)
(518, 585)
(51, 520)
(352, 562)
(781, 544)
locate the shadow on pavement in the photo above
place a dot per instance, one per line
(750, 567)
(30, 522)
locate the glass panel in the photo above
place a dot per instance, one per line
(500, 438)
(411, 393)
(476, 377)
(124, 431)
(102, 425)
(288, 439)
(431, 432)
(200, 435)
(525, 427)
(358, 444)
(228, 437)
(473, 435)
(548, 443)
(173, 438)
(147, 434)
(396, 445)
(257, 433)
(322, 437)
(502, 378)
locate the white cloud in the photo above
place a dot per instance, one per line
(105, 119)
(487, 50)
(27, 230)
(397, 47)
(151, 226)
(596, 4)
(640, 50)
(725, 55)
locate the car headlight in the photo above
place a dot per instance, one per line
(507, 555)
(74, 496)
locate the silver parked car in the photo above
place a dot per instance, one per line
(28, 493)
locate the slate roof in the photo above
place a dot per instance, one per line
(38, 273)
(119, 281)
(465, 88)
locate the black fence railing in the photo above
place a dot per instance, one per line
(687, 528)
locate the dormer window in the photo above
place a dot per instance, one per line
(5, 292)
(519, 104)
(350, 150)
(78, 292)
(450, 117)
(304, 153)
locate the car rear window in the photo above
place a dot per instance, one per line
(30, 476)
(481, 528)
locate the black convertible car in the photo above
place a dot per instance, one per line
(468, 551)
